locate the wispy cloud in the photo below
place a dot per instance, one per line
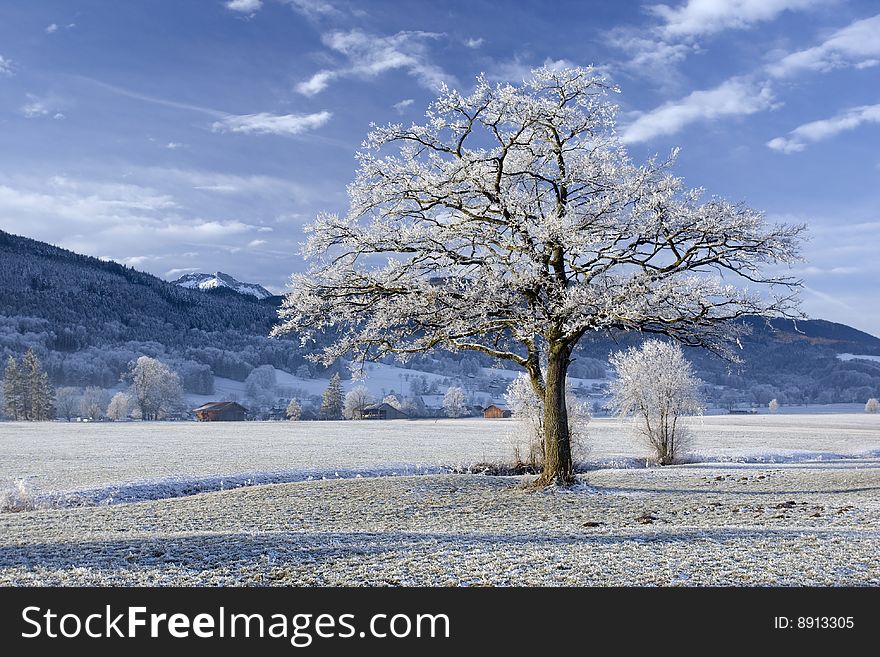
(856, 45)
(735, 97)
(473, 43)
(271, 124)
(518, 69)
(262, 123)
(850, 119)
(174, 145)
(52, 28)
(313, 9)
(654, 51)
(402, 105)
(369, 55)
(36, 108)
(156, 100)
(244, 6)
(5, 66)
(701, 17)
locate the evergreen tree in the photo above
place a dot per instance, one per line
(40, 395)
(14, 392)
(294, 410)
(331, 402)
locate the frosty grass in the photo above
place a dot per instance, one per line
(771, 500)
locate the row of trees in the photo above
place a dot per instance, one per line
(27, 393)
(154, 393)
(338, 405)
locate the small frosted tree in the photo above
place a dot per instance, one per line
(261, 385)
(331, 401)
(294, 410)
(93, 402)
(513, 223)
(454, 402)
(355, 401)
(67, 402)
(156, 389)
(773, 406)
(393, 401)
(120, 406)
(656, 385)
(872, 406)
(528, 409)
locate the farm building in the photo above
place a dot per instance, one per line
(496, 411)
(383, 411)
(224, 411)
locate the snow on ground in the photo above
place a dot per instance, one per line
(858, 356)
(755, 512)
(717, 524)
(145, 460)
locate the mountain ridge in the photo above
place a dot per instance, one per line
(201, 281)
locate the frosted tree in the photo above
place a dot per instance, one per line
(15, 392)
(454, 402)
(392, 400)
(261, 385)
(294, 410)
(512, 222)
(40, 394)
(773, 406)
(120, 406)
(155, 388)
(331, 401)
(528, 409)
(656, 385)
(67, 402)
(872, 406)
(355, 401)
(93, 402)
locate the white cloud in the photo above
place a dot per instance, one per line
(369, 55)
(255, 243)
(850, 119)
(517, 69)
(699, 17)
(313, 9)
(317, 83)
(271, 124)
(179, 271)
(857, 44)
(402, 105)
(473, 43)
(5, 66)
(37, 107)
(654, 51)
(52, 28)
(173, 145)
(735, 97)
(244, 6)
(34, 108)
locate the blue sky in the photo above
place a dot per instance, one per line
(200, 135)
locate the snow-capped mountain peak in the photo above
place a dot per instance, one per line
(199, 281)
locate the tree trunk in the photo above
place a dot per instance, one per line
(558, 468)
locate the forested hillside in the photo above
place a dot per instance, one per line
(87, 319)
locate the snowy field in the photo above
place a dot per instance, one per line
(132, 458)
(772, 500)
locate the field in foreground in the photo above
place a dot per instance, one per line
(772, 500)
(736, 524)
